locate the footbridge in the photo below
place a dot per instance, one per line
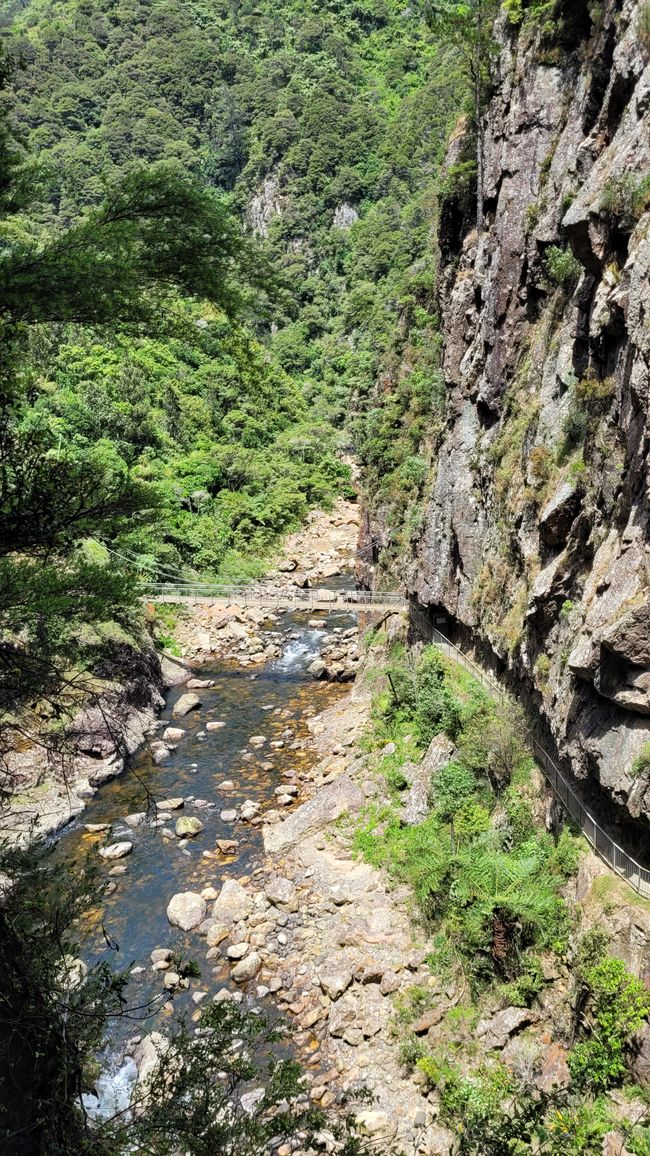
(293, 599)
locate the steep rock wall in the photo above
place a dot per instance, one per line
(536, 525)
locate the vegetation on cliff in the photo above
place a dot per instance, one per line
(491, 891)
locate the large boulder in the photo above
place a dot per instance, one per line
(185, 704)
(174, 671)
(186, 910)
(234, 903)
(329, 804)
(247, 968)
(282, 893)
(416, 803)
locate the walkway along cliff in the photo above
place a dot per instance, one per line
(533, 536)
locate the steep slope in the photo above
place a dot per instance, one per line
(535, 518)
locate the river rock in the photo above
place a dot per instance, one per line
(170, 804)
(200, 683)
(214, 726)
(147, 1055)
(228, 816)
(249, 810)
(116, 850)
(335, 981)
(234, 903)
(376, 1124)
(188, 827)
(257, 740)
(247, 968)
(227, 846)
(237, 950)
(171, 979)
(161, 955)
(186, 910)
(282, 893)
(97, 828)
(185, 704)
(329, 804)
(159, 752)
(172, 734)
(136, 819)
(217, 932)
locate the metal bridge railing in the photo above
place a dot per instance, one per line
(186, 591)
(612, 854)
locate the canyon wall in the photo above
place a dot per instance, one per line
(535, 531)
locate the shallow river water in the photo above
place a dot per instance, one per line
(265, 700)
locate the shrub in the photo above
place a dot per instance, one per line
(562, 267)
(574, 430)
(542, 670)
(617, 1006)
(540, 463)
(593, 391)
(642, 761)
(523, 991)
(625, 199)
(566, 609)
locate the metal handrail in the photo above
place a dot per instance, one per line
(217, 590)
(611, 852)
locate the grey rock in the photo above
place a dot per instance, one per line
(234, 903)
(496, 1032)
(116, 850)
(186, 910)
(416, 803)
(185, 704)
(332, 801)
(335, 980)
(281, 892)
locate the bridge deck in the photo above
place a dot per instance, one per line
(280, 603)
(350, 601)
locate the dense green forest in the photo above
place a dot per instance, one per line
(324, 125)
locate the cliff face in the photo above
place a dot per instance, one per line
(536, 527)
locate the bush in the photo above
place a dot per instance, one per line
(616, 1007)
(625, 198)
(642, 761)
(562, 267)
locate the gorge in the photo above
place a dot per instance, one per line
(309, 297)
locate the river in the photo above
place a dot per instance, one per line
(275, 700)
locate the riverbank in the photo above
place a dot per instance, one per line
(120, 714)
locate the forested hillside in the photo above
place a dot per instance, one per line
(325, 125)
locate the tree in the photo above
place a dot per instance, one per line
(468, 27)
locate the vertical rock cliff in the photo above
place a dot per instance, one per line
(535, 533)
